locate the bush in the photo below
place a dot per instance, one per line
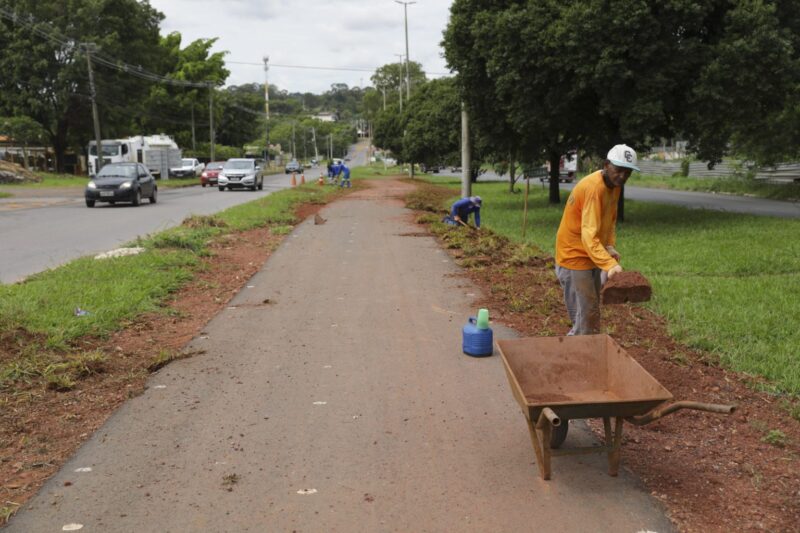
(685, 167)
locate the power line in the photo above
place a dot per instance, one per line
(310, 67)
(30, 22)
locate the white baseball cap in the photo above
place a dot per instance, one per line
(622, 155)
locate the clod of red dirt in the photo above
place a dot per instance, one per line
(626, 287)
(318, 220)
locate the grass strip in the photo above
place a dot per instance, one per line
(42, 318)
(740, 186)
(727, 283)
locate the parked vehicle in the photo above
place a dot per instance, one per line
(122, 182)
(187, 167)
(293, 166)
(211, 173)
(240, 174)
(157, 152)
(567, 168)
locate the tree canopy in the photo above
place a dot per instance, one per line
(592, 73)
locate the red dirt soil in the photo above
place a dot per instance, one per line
(626, 287)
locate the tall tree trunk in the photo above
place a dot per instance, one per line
(555, 192)
(621, 205)
(60, 145)
(25, 157)
(512, 167)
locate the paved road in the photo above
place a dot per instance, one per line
(694, 200)
(346, 405)
(48, 227)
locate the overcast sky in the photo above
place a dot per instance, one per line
(321, 33)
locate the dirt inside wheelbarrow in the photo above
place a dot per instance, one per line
(713, 473)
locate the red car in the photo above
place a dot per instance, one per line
(211, 172)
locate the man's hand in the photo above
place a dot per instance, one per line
(613, 252)
(457, 218)
(614, 271)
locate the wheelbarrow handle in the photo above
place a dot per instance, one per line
(655, 414)
(548, 415)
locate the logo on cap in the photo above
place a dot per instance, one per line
(628, 156)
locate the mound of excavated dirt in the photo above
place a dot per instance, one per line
(626, 287)
(13, 173)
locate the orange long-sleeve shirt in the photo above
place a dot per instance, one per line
(588, 225)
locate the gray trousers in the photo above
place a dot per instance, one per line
(582, 297)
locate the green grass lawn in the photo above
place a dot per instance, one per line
(40, 312)
(732, 185)
(727, 283)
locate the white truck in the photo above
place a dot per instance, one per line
(158, 153)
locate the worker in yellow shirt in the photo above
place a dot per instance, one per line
(586, 238)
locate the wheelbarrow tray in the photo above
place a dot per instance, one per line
(586, 376)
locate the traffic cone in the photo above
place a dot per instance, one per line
(321, 181)
(303, 178)
(294, 180)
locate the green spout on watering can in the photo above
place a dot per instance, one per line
(483, 319)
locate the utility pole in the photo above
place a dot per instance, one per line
(383, 90)
(194, 146)
(330, 145)
(408, 68)
(400, 84)
(305, 147)
(88, 47)
(466, 177)
(294, 147)
(211, 119)
(266, 106)
(314, 136)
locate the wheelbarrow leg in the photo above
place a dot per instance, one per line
(614, 444)
(542, 455)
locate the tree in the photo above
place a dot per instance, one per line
(177, 110)
(391, 76)
(433, 124)
(593, 73)
(46, 78)
(22, 130)
(388, 131)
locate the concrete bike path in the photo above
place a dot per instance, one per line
(344, 403)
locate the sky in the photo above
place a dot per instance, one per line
(359, 34)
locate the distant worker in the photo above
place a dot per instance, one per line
(462, 209)
(332, 171)
(345, 173)
(587, 236)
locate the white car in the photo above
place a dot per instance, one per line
(189, 167)
(241, 173)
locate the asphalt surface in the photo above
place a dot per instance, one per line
(46, 228)
(344, 404)
(689, 199)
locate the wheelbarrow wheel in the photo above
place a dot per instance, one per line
(559, 434)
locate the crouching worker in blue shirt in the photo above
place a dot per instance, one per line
(345, 173)
(462, 209)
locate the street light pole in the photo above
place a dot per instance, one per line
(266, 106)
(408, 68)
(211, 119)
(400, 84)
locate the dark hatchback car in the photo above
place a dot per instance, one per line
(122, 182)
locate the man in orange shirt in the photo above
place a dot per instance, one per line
(586, 238)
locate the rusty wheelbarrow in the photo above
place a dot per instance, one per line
(557, 379)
